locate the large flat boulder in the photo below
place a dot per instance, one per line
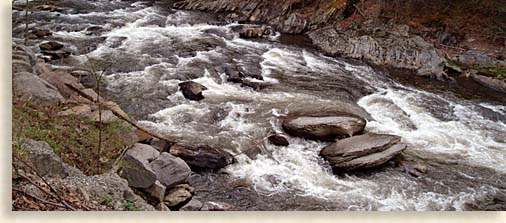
(357, 146)
(369, 161)
(325, 128)
(202, 157)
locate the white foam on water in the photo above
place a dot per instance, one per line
(466, 140)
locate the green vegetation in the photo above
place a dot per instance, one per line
(128, 206)
(72, 137)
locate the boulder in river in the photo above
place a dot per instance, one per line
(178, 195)
(170, 170)
(39, 33)
(325, 128)
(202, 156)
(278, 140)
(50, 46)
(489, 82)
(371, 160)
(192, 90)
(362, 152)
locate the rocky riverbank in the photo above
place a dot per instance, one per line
(231, 117)
(353, 29)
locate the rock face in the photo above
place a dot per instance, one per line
(202, 157)
(326, 128)
(362, 152)
(278, 140)
(391, 49)
(291, 16)
(192, 90)
(170, 170)
(42, 157)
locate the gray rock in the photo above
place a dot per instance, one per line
(137, 172)
(21, 66)
(489, 82)
(62, 81)
(42, 157)
(478, 58)
(357, 146)
(111, 186)
(192, 90)
(27, 85)
(39, 33)
(369, 161)
(397, 51)
(193, 205)
(170, 170)
(296, 23)
(143, 152)
(216, 206)
(157, 191)
(326, 128)
(202, 157)
(178, 195)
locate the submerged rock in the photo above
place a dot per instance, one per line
(193, 205)
(192, 90)
(170, 170)
(326, 128)
(202, 156)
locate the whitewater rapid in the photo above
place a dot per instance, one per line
(166, 48)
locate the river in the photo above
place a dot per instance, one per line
(149, 48)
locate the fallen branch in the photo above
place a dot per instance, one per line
(39, 199)
(56, 196)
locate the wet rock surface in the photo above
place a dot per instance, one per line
(192, 90)
(327, 128)
(202, 157)
(170, 170)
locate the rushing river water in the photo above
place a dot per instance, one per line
(150, 48)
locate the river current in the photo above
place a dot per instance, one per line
(149, 48)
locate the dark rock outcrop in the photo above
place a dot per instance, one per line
(326, 128)
(371, 160)
(50, 46)
(253, 32)
(278, 140)
(202, 157)
(192, 90)
(292, 16)
(40, 33)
